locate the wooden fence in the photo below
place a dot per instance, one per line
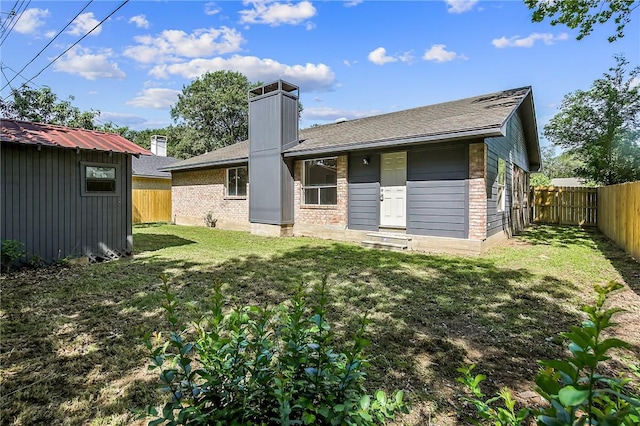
(151, 205)
(563, 205)
(619, 215)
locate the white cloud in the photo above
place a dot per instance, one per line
(275, 13)
(140, 21)
(379, 56)
(460, 6)
(89, 65)
(309, 76)
(439, 53)
(50, 34)
(171, 45)
(635, 81)
(517, 41)
(349, 63)
(31, 20)
(211, 9)
(156, 98)
(352, 3)
(330, 114)
(84, 23)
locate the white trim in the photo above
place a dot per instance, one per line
(226, 182)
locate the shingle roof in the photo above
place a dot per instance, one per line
(478, 116)
(25, 132)
(149, 165)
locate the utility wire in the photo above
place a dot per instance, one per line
(12, 14)
(48, 44)
(14, 22)
(71, 47)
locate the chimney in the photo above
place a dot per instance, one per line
(273, 128)
(159, 145)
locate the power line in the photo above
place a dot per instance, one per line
(14, 22)
(48, 44)
(73, 45)
(12, 14)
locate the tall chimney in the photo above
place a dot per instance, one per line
(273, 128)
(159, 145)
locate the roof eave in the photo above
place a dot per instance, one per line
(388, 143)
(205, 165)
(150, 176)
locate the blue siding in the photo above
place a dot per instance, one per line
(512, 149)
(364, 192)
(42, 206)
(437, 195)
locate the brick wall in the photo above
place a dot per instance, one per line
(477, 191)
(195, 193)
(321, 215)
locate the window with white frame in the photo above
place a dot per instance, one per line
(502, 178)
(237, 178)
(99, 179)
(320, 181)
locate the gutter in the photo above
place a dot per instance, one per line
(205, 164)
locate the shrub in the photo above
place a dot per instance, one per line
(10, 251)
(575, 390)
(265, 366)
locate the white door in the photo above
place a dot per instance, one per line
(393, 190)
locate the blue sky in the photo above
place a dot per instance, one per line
(350, 58)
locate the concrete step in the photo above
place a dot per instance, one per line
(386, 236)
(383, 245)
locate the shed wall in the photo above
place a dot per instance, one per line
(42, 205)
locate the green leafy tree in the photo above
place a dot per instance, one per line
(44, 106)
(601, 127)
(212, 112)
(584, 14)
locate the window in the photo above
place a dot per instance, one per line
(237, 178)
(99, 179)
(320, 179)
(502, 172)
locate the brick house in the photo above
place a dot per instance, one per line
(451, 176)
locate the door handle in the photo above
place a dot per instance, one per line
(381, 194)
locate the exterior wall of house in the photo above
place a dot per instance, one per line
(437, 198)
(42, 205)
(196, 193)
(364, 192)
(308, 216)
(512, 149)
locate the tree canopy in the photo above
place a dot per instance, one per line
(601, 127)
(212, 112)
(44, 106)
(584, 14)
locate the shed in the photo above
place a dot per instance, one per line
(66, 192)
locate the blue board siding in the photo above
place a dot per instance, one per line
(437, 194)
(364, 192)
(512, 149)
(42, 205)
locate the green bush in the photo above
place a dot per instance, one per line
(10, 251)
(574, 388)
(265, 366)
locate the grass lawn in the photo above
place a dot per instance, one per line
(71, 349)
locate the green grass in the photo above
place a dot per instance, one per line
(71, 350)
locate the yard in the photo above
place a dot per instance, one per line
(72, 349)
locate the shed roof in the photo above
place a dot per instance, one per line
(149, 165)
(29, 133)
(478, 116)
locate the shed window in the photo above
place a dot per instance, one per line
(320, 181)
(237, 178)
(502, 177)
(99, 179)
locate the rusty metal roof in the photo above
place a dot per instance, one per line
(29, 133)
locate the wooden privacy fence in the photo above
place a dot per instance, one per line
(151, 205)
(563, 205)
(619, 215)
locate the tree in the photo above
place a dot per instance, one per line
(584, 14)
(213, 112)
(601, 127)
(43, 106)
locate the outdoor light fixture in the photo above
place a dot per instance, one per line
(365, 161)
